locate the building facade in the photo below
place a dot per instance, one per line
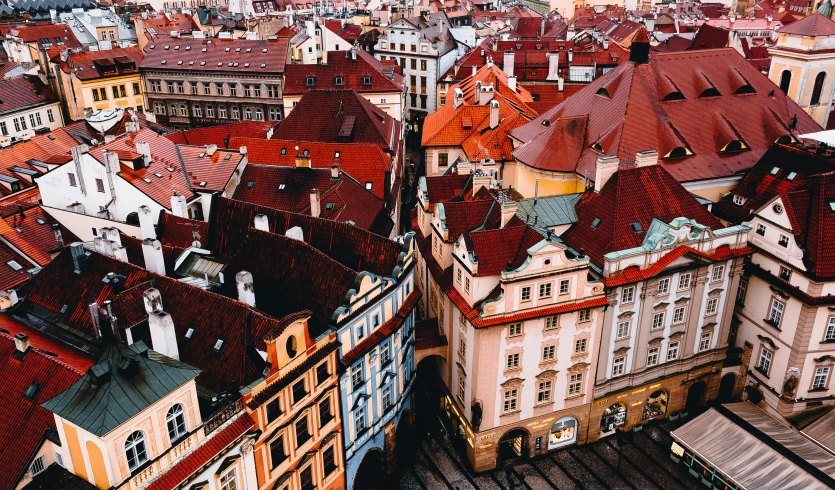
(29, 108)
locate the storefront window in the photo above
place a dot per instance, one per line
(613, 417)
(563, 433)
(655, 406)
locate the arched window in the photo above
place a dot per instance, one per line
(785, 81)
(176, 423)
(135, 450)
(816, 91)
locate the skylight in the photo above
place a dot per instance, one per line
(791, 176)
(14, 265)
(218, 345)
(832, 205)
(368, 185)
(336, 154)
(595, 223)
(32, 391)
(250, 185)
(189, 332)
(775, 170)
(281, 187)
(228, 156)
(40, 221)
(636, 227)
(201, 155)
(202, 184)
(329, 206)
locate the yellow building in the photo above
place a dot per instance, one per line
(98, 80)
(803, 64)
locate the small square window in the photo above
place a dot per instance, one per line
(514, 330)
(739, 200)
(784, 241)
(760, 229)
(526, 293)
(785, 273)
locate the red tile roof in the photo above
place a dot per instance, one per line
(11, 204)
(632, 195)
(37, 32)
(208, 172)
(222, 134)
(502, 249)
(352, 71)
(635, 274)
(91, 65)
(33, 235)
(810, 211)
(363, 161)
(217, 55)
(203, 455)
(444, 188)
(548, 95)
(23, 422)
(814, 25)
(337, 116)
(17, 94)
(288, 189)
(383, 332)
(179, 232)
(10, 278)
(615, 110)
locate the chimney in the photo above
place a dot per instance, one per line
(606, 43)
(570, 56)
(146, 223)
(509, 57)
(79, 256)
(477, 92)
(475, 70)
(131, 127)
(354, 52)
(511, 83)
(262, 223)
(560, 84)
(335, 171)
(315, 203)
(494, 114)
(646, 158)
(56, 229)
(152, 252)
(508, 208)
(112, 167)
(144, 148)
(161, 325)
(553, 66)
(178, 205)
(21, 342)
(605, 168)
(485, 94)
(76, 152)
(480, 181)
(296, 233)
(211, 149)
(303, 161)
(246, 291)
(457, 97)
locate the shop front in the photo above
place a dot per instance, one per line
(655, 406)
(613, 417)
(563, 433)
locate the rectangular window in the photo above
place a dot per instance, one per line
(618, 366)
(248, 113)
(235, 112)
(564, 285)
(775, 313)
(652, 356)
(156, 86)
(277, 452)
(819, 381)
(510, 400)
(272, 91)
(256, 90)
(229, 481)
(545, 290)
(122, 92)
(306, 478)
(760, 229)
(273, 410)
(16, 125)
(247, 91)
(356, 375)
(218, 88)
(4, 128)
(543, 392)
(359, 421)
(233, 90)
(136, 90)
(467, 284)
(322, 373)
(678, 315)
(829, 336)
(195, 109)
(623, 330)
(718, 273)
(302, 433)
(443, 159)
(423, 64)
(103, 93)
(388, 398)
(672, 351)
(360, 332)
(580, 346)
(575, 384)
(740, 293)
(462, 346)
(462, 387)
(325, 414)
(784, 241)
(628, 294)
(115, 89)
(299, 391)
(704, 342)
(764, 364)
(551, 322)
(100, 185)
(95, 95)
(712, 306)
(512, 361)
(738, 200)
(458, 275)
(658, 320)
(514, 330)
(526, 293)
(49, 115)
(23, 121)
(328, 460)
(210, 111)
(32, 121)
(71, 176)
(684, 281)
(221, 111)
(584, 316)
(170, 87)
(549, 353)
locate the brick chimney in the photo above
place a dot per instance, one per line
(509, 59)
(646, 158)
(315, 203)
(494, 114)
(246, 290)
(179, 207)
(161, 325)
(146, 223)
(152, 252)
(605, 169)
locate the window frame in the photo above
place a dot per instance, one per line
(653, 354)
(659, 324)
(661, 291)
(673, 350)
(684, 281)
(618, 366)
(177, 418)
(627, 295)
(136, 448)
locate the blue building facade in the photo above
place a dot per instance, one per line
(376, 330)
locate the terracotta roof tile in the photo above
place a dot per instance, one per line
(24, 92)
(352, 71)
(208, 172)
(814, 25)
(495, 250)
(222, 134)
(38, 32)
(92, 65)
(33, 234)
(217, 55)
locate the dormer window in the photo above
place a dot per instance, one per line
(673, 96)
(366, 80)
(736, 145)
(786, 139)
(603, 92)
(745, 89)
(596, 146)
(310, 81)
(339, 81)
(739, 200)
(709, 92)
(679, 152)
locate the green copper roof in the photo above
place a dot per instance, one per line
(124, 381)
(826, 8)
(550, 211)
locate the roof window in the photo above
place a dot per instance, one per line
(336, 154)
(774, 170)
(281, 187)
(228, 156)
(32, 391)
(14, 265)
(366, 80)
(162, 62)
(166, 48)
(832, 205)
(40, 221)
(170, 169)
(248, 50)
(202, 184)
(202, 154)
(636, 227)
(329, 206)
(202, 63)
(250, 184)
(176, 48)
(228, 49)
(368, 185)
(263, 65)
(338, 81)
(264, 50)
(180, 62)
(736, 145)
(679, 152)
(283, 151)
(237, 50)
(595, 223)
(791, 176)
(189, 332)
(246, 65)
(218, 345)
(603, 92)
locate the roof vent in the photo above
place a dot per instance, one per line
(636, 227)
(595, 223)
(32, 391)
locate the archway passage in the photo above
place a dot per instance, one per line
(371, 474)
(696, 397)
(514, 444)
(726, 388)
(755, 396)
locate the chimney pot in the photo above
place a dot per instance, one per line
(509, 61)
(211, 149)
(152, 299)
(152, 252)
(646, 158)
(21, 342)
(56, 229)
(178, 205)
(494, 114)
(146, 223)
(79, 256)
(163, 335)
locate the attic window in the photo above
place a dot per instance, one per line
(636, 227)
(202, 184)
(246, 65)
(283, 151)
(180, 62)
(264, 50)
(157, 175)
(709, 92)
(791, 176)
(147, 180)
(176, 48)
(366, 80)
(339, 81)
(336, 154)
(162, 62)
(832, 205)
(368, 185)
(250, 185)
(220, 64)
(674, 96)
(248, 50)
(237, 50)
(281, 187)
(228, 49)
(679, 152)
(546, 123)
(202, 63)
(40, 221)
(603, 92)
(189, 332)
(32, 391)
(263, 65)
(736, 145)
(745, 89)
(170, 169)
(596, 147)
(201, 155)
(188, 48)
(14, 265)
(166, 48)
(218, 345)
(329, 206)
(774, 170)
(228, 156)
(595, 223)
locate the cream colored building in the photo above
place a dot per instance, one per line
(803, 64)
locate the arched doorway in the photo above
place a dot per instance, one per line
(655, 406)
(370, 474)
(755, 396)
(696, 397)
(613, 417)
(726, 388)
(404, 439)
(563, 433)
(785, 81)
(512, 445)
(430, 405)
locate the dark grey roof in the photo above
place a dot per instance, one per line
(55, 477)
(550, 211)
(47, 5)
(124, 381)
